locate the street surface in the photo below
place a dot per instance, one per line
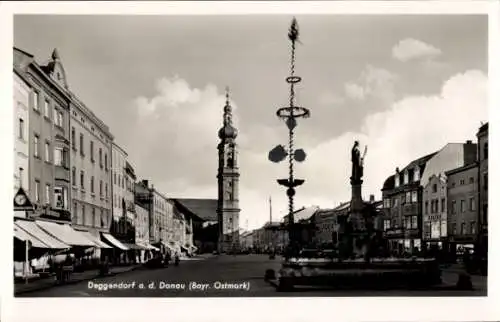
(221, 276)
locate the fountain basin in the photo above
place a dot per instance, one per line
(357, 273)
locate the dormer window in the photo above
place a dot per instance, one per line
(396, 180)
(405, 180)
(416, 175)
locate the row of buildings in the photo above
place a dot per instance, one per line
(70, 172)
(439, 200)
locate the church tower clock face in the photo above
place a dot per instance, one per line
(228, 182)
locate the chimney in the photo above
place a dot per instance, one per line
(372, 198)
(397, 169)
(468, 142)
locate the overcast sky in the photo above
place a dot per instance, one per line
(403, 85)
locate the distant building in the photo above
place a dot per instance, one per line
(246, 240)
(303, 219)
(435, 212)
(201, 225)
(482, 138)
(22, 95)
(463, 207)
(141, 225)
(118, 164)
(47, 132)
(91, 143)
(402, 193)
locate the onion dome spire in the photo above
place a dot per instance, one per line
(228, 131)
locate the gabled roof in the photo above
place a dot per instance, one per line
(205, 209)
(304, 213)
(420, 161)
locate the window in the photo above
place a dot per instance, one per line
(73, 176)
(417, 174)
(59, 156)
(84, 217)
(82, 180)
(443, 229)
(21, 129)
(472, 204)
(75, 211)
(92, 151)
(485, 151)
(92, 184)
(396, 180)
(82, 153)
(47, 109)
(387, 224)
(454, 207)
(414, 222)
(60, 119)
(426, 207)
(414, 196)
(443, 205)
(47, 151)
(36, 107)
(434, 188)
(36, 144)
(471, 180)
(73, 138)
(454, 228)
(37, 190)
(47, 194)
(106, 191)
(462, 205)
(93, 217)
(114, 178)
(462, 229)
(472, 227)
(106, 161)
(100, 157)
(405, 177)
(462, 182)
(100, 188)
(59, 197)
(485, 178)
(408, 197)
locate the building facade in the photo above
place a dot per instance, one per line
(228, 184)
(91, 145)
(22, 94)
(48, 134)
(403, 193)
(463, 207)
(434, 216)
(482, 138)
(141, 225)
(120, 193)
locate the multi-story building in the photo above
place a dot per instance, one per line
(482, 140)
(48, 134)
(120, 194)
(141, 225)
(22, 94)
(246, 240)
(91, 143)
(402, 193)
(462, 207)
(435, 211)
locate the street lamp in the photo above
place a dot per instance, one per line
(290, 114)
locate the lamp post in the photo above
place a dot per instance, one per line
(290, 114)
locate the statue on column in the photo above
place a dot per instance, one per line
(357, 162)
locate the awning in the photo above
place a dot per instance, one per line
(113, 241)
(31, 228)
(65, 233)
(24, 236)
(94, 239)
(147, 245)
(134, 246)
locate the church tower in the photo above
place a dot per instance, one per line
(228, 211)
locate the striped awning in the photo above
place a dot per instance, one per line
(95, 239)
(113, 241)
(66, 234)
(24, 236)
(34, 230)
